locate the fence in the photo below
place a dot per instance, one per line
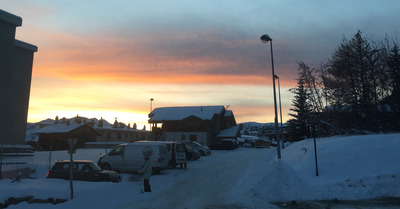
(15, 159)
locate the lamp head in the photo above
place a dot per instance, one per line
(265, 38)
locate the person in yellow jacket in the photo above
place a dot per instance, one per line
(146, 170)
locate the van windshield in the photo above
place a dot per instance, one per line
(117, 151)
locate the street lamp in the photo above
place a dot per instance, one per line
(151, 104)
(265, 39)
(280, 111)
(151, 109)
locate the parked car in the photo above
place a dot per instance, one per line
(130, 157)
(232, 140)
(203, 150)
(223, 145)
(196, 155)
(83, 170)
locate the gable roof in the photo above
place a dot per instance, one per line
(179, 113)
(63, 129)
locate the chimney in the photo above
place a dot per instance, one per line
(77, 119)
(115, 123)
(100, 124)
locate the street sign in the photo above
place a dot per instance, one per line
(72, 143)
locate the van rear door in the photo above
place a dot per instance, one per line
(180, 153)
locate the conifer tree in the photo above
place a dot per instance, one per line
(298, 126)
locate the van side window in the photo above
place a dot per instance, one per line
(117, 151)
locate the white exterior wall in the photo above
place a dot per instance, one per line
(177, 136)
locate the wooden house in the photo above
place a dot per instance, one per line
(195, 123)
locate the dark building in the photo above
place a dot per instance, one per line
(196, 123)
(16, 59)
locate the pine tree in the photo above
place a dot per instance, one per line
(298, 126)
(393, 100)
(351, 77)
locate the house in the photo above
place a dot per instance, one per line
(53, 134)
(119, 132)
(196, 123)
(56, 137)
(16, 59)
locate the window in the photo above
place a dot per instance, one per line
(183, 138)
(61, 166)
(108, 135)
(119, 136)
(117, 151)
(193, 138)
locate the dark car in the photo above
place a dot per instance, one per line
(223, 145)
(83, 170)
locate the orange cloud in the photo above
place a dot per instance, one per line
(97, 59)
(100, 76)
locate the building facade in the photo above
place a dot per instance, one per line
(195, 123)
(16, 59)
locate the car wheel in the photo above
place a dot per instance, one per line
(202, 153)
(106, 166)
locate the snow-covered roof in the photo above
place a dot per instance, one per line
(60, 128)
(180, 113)
(228, 113)
(230, 132)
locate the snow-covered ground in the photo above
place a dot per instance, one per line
(352, 167)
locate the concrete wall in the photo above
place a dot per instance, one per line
(16, 58)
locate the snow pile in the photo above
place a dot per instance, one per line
(353, 167)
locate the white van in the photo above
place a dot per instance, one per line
(130, 157)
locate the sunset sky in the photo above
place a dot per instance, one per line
(101, 58)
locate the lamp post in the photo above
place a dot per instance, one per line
(151, 109)
(151, 104)
(280, 111)
(265, 39)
